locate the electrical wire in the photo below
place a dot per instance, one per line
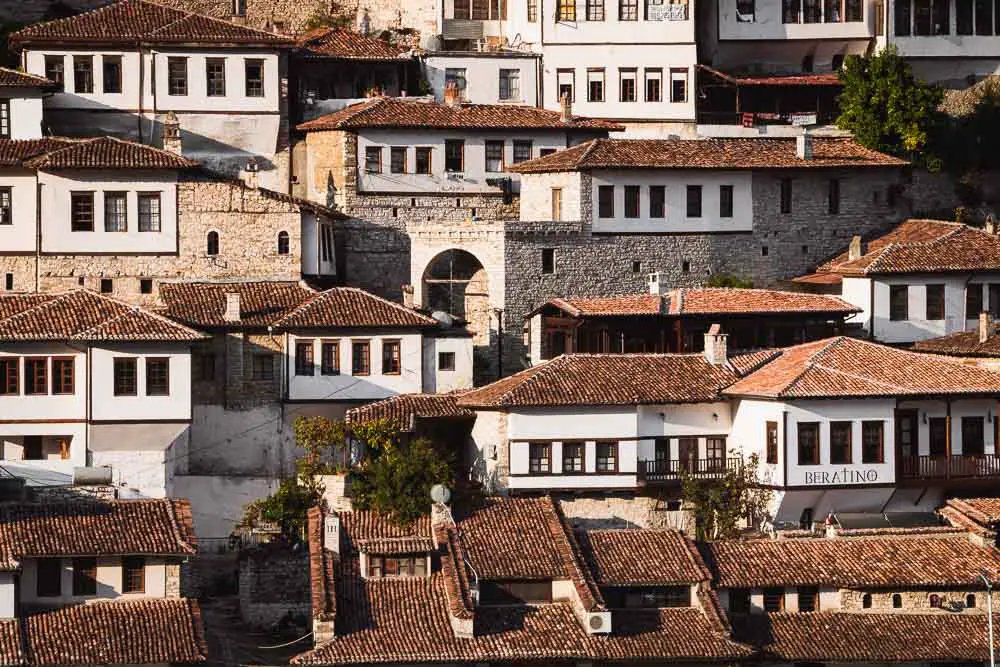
(294, 641)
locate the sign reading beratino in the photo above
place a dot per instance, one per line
(843, 476)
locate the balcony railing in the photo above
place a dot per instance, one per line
(664, 470)
(949, 467)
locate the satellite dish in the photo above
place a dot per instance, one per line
(440, 494)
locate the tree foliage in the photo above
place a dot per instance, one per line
(888, 109)
(723, 504)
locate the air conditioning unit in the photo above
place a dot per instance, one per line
(598, 623)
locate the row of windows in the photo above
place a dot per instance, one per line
(657, 198)
(872, 442)
(933, 17)
(48, 582)
(83, 73)
(934, 301)
(812, 11)
(82, 211)
(212, 244)
(55, 375)
(305, 363)
(454, 156)
(628, 84)
(628, 10)
(508, 81)
(397, 566)
(573, 457)
(774, 599)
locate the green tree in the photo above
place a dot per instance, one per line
(721, 505)
(727, 280)
(888, 109)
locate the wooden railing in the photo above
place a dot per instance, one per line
(670, 470)
(947, 467)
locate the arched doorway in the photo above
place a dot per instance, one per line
(456, 282)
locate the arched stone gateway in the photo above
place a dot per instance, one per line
(456, 282)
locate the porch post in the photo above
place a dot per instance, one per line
(947, 439)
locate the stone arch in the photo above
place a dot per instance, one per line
(456, 282)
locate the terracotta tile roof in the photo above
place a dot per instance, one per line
(12, 78)
(109, 153)
(82, 315)
(983, 510)
(322, 570)
(814, 79)
(262, 303)
(961, 343)
(745, 363)
(159, 527)
(396, 112)
(606, 379)
(844, 562)
(387, 546)
(344, 44)
(363, 526)
(129, 22)
(642, 557)
(844, 637)
(755, 153)
(455, 571)
(841, 367)
(349, 307)
(15, 152)
(819, 279)
(134, 632)
(405, 409)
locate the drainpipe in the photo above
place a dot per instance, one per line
(38, 233)
(499, 314)
(142, 77)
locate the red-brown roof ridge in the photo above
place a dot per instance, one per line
(352, 307)
(15, 78)
(346, 44)
(109, 153)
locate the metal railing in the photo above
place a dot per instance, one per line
(670, 470)
(947, 467)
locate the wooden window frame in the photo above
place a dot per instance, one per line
(154, 362)
(881, 445)
(799, 432)
(181, 88)
(133, 574)
(305, 357)
(112, 62)
(329, 352)
(973, 296)
(423, 151)
(356, 347)
(811, 594)
(518, 147)
(493, 150)
(446, 354)
(32, 381)
(373, 160)
(60, 388)
(116, 196)
(250, 85)
(77, 61)
(150, 220)
(210, 65)
(581, 447)
(632, 210)
(451, 144)
(834, 425)
(565, 11)
(895, 315)
(123, 363)
(387, 346)
(76, 223)
(394, 154)
(776, 594)
(557, 204)
(937, 312)
(539, 469)
(614, 458)
(771, 444)
(628, 74)
(603, 81)
(11, 376)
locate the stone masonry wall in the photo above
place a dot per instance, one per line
(273, 586)
(913, 601)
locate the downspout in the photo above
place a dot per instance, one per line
(38, 233)
(871, 316)
(142, 72)
(89, 400)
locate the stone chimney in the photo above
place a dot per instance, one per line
(715, 345)
(854, 250)
(565, 109)
(451, 97)
(657, 283)
(232, 312)
(249, 175)
(171, 133)
(985, 326)
(408, 296)
(804, 145)
(991, 225)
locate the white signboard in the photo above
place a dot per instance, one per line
(331, 533)
(803, 118)
(667, 12)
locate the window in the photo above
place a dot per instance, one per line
(972, 436)
(112, 70)
(239, 7)
(10, 375)
(149, 211)
(133, 574)
(572, 457)
(564, 83)
(83, 74)
(532, 11)
(510, 85)
(715, 452)
(833, 196)
(423, 159)
(5, 119)
(6, 212)
(446, 361)
(538, 457)
(774, 599)
(107, 286)
(963, 17)
(494, 156)
(840, 442)
(934, 601)
(808, 598)
(48, 577)
(177, 76)
(390, 357)
(263, 366)
(595, 85)
(808, 443)
(360, 357)
(786, 195)
(373, 159)
(454, 77)
(542, 152)
(854, 12)
(970, 601)
(8, 281)
(973, 300)
(115, 212)
(212, 243)
(678, 85)
(566, 10)
(607, 456)
(771, 433)
(657, 201)
(81, 211)
(55, 70)
(304, 358)
(204, 366)
(556, 204)
(811, 12)
(157, 376)
(866, 601)
(871, 442)
(454, 155)
(899, 297)
(935, 302)
(627, 85)
(215, 77)
(605, 201)
(283, 242)
(548, 260)
(36, 376)
(984, 17)
(897, 601)
(254, 77)
(694, 201)
(125, 376)
(628, 10)
(516, 592)
(651, 598)
(632, 201)
(739, 600)
(654, 84)
(62, 376)
(84, 576)
(522, 150)
(406, 566)
(725, 201)
(745, 11)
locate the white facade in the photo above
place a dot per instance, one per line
(109, 582)
(482, 74)
(765, 20)
(447, 363)
(25, 112)
(318, 249)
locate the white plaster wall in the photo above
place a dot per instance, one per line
(917, 327)
(25, 114)
(345, 386)
(482, 75)
(767, 24)
(788, 506)
(785, 55)
(536, 196)
(698, 420)
(857, 292)
(438, 381)
(107, 406)
(749, 435)
(8, 595)
(56, 219)
(574, 423)
(235, 99)
(489, 463)
(313, 263)
(109, 582)
(676, 182)
(128, 99)
(20, 235)
(46, 406)
(612, 31)
(219, 500)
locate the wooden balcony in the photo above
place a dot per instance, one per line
(959, 466)
(669, 471)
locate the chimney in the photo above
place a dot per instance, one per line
(804, 145)
(408, 296)
(565, 109)
(451, 94)
(232, 312)
(250, 173)
(991, 224)
(171, 133)
(657, 284)
(985, 326)
(715, 345)
(854, 250)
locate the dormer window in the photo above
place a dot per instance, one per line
(397, 566)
